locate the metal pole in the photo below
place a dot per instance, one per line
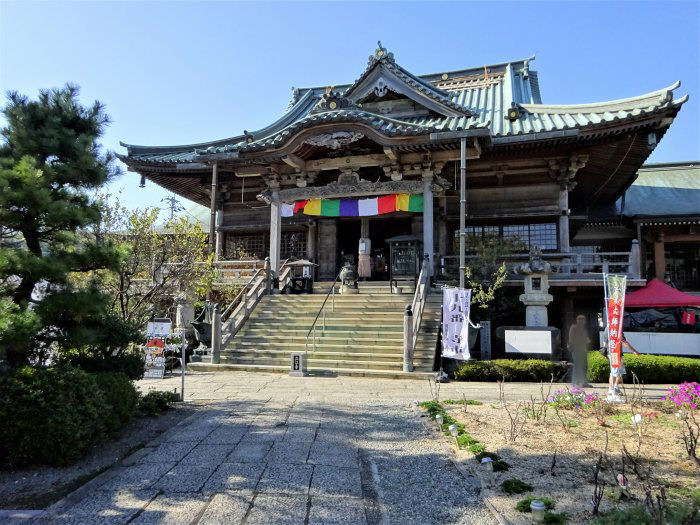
(212, 218)
(462, 207)
(182, 368)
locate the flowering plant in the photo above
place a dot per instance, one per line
(686, 395)
(572, 398)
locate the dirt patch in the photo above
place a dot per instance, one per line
(39, 487)
(557, 455)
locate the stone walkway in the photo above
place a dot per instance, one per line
(275, 449)
(275, 453)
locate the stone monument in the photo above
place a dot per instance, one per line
(536, 272)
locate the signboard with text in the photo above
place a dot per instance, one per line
(455, 323)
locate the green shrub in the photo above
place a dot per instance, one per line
(553, 518)
(677, 513)
(526, 370)
(121, 397)
(477, 448)
(157, 401)
(129, 363)
(465, 440)
(498, 464)
(515, 486)
(524, 504)
(649, 369)
(49, 416)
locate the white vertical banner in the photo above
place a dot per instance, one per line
(455, 323)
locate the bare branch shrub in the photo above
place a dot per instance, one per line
(690, 433)
(655, 499)
(598, 481)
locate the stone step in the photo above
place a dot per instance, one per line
(385, 374)
(320, 353)
(320, 363)
(291, 346)
(348, 338)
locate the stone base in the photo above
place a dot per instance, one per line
(536, 316)
(348, 290)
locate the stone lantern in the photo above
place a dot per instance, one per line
(536, 273)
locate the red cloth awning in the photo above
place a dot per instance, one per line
(657, 294)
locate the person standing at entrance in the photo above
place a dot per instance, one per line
(578, 346)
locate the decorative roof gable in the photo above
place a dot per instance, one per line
(384, 75)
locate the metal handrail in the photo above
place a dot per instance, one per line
(331, 292)
(418, 304)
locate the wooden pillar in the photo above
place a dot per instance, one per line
(213, 206)
(275, 230)
(428, 246)
(327, 248)
(219, 233)
(364, 227)
(311, 242)
(564, 246)
(442, 228)
(660, 257)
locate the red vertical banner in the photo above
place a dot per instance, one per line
(615, 304)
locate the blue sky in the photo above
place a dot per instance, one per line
(181, 72)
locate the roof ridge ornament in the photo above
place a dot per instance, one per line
(332, 101)
(381, 54)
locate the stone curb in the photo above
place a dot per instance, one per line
(466, 474)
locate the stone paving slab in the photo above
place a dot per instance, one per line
(336, 511)
(135, 477)
(286, 479)
(168, 452)
(102, 507)
(228, 508)
(206, 454)
(185, 478)
(336, 481)
(238, 477)
(171, 509)
(226, 434)
(289, 453)
(278, 509)
(250, 451)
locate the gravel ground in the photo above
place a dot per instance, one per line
(284, 457)
(38, 487)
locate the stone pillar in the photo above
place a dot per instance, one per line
(311, 242)
(660, 257)
(275, 231)
(185, 311)
(327, 248)
(219, 233)
(564, 217)
(443, 241)
(428, 246)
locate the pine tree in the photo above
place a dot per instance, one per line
(50, 162)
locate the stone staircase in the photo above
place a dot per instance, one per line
(362, 336)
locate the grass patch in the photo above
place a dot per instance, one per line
(477, 448)
(462, 402)
(465, 440)
(524, 504)
(515, 486)
(553, 518)
(498, 464)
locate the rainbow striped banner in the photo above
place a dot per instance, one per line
(356, 207)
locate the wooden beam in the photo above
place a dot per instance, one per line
(391, 154)
(354, 161)
(294, 161)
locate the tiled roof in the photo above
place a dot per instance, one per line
(482, 96)
(660, 190)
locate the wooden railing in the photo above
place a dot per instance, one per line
(413, 317)
(587, 265)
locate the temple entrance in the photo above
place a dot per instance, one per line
(379, 229)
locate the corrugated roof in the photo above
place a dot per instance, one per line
(483, 95)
